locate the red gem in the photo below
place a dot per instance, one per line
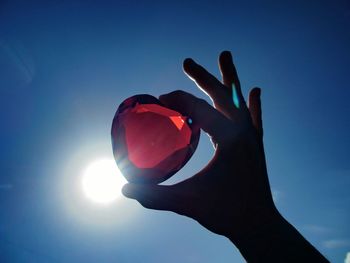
(151, 142)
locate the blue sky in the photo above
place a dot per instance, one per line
(66, 65)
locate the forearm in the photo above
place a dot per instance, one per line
(277, 241)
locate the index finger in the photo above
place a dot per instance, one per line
(206, 82)
(203, 114)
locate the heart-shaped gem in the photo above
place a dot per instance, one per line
(150, 141)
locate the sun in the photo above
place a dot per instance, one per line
(102, 181)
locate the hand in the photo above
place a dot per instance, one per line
(231, 195)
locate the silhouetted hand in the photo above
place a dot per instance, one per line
(233, 188)
(230, 196)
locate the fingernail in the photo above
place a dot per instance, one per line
(188, 62)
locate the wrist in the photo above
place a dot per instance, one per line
(274, 239)
(257, 226)
(256, 243)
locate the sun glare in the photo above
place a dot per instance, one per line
(102, 181)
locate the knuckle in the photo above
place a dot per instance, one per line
(179, 93)
(201, 103)
(229, 134)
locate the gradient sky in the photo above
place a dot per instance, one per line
(66, 65)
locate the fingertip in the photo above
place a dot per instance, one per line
(188, 61)
(187, 64)
(256, 92)
(128, 191)
(226, 54)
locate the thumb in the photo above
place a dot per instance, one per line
(158, 197)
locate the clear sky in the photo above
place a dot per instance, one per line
(66, 65)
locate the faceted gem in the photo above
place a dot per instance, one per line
(151, 142)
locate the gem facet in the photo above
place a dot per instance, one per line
(151, 142)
